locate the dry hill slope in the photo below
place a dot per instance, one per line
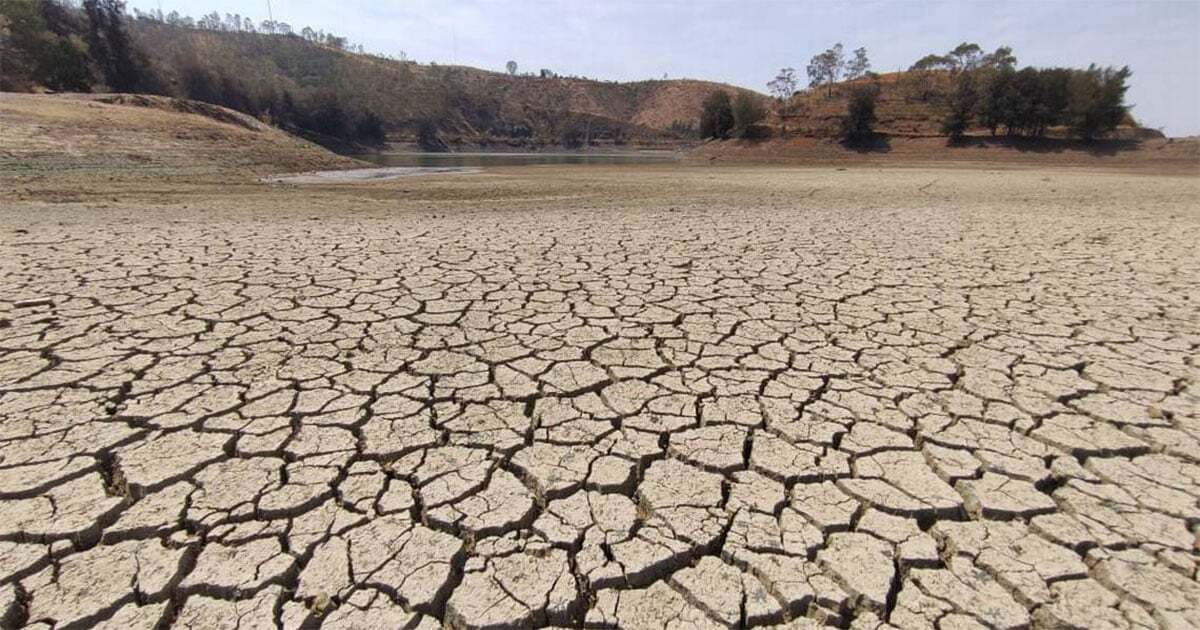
(145, 134)
(467, 105)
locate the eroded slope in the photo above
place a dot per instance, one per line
(121, 134)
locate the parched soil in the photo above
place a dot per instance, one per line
(631, 397)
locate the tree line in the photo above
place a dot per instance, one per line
(86, 47)
(236, 23)
(70, 48)
(1088, 103)
(968, 87)
(722, 117)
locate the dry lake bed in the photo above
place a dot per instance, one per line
(602, 396)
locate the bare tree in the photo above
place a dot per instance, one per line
(858, 67)
(783, 87)
(784, 84)
(826, 68)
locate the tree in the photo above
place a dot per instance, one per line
(716, 116)
(748, 111)
(1053, 97)
(1028, 115)
(109, 45)
(859, 124)
(996, 98)
(511, 66)
(1096, 101)
(1001, 59)
(962, 108)
(326, 115)
(921, 79)
(369, 129)
(965, 56)
(858, 66)
(825, 68)
(39, 45)
(785, 84)
(783, 87)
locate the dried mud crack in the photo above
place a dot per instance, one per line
(719, 402)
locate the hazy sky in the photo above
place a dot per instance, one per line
(746, 42)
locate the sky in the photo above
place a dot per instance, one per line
(745, 43)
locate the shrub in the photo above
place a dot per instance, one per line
(716, 116)
(369, 129)
(859, 122)
(427, 136)
(748, 111)
(573, 135)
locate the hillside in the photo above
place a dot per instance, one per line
(908, 105)
(466, 105)
(144, 135)
(316, 88)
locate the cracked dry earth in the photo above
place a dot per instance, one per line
(917, 399)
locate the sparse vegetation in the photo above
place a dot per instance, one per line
(826, 68)
(783, 87)
(286, 77)
(859, 66)
(958, 92)
(308, 83)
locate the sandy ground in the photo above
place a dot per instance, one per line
(637, 397)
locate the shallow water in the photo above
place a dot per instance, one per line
(367, 174)
(480, 159)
